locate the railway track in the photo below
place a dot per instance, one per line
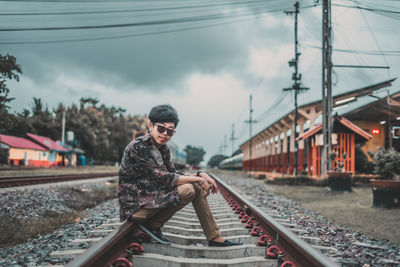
(265, 241)
(13, 181)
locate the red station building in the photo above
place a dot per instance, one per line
(371, 125)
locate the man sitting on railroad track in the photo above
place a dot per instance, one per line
(151, 191)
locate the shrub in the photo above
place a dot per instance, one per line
(387, 163)
(362, 165)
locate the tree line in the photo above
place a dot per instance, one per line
(101, 131)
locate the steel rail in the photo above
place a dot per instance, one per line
(11, 181)
(109, 248)
(296, 249)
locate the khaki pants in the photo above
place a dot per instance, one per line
(187, 193)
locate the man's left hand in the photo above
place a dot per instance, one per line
(211, 181)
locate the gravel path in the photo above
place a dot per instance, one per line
(34, 201)
(25, 203)
(37, 251)
(351, 245)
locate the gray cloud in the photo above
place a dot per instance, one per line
(152, 62)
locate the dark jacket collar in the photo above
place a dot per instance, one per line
(148, 140)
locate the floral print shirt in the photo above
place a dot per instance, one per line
(147, 178)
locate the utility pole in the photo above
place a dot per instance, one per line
(327, 123)
(233, 138)
(250, 121)
(296, 87)
(225, 144)
(221, 149)
(63, 128)
(389, 124)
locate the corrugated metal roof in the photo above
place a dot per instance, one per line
(47, 142)
(364, 91)
(19, 142)
(344, 122)
(71, 148)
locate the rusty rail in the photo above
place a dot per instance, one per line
(105, 251)
(294, 248)
(11, 181)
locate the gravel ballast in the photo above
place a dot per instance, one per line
(352, 246)
(35, 202)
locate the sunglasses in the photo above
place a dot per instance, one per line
(162, 129)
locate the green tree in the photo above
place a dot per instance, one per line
(43, 121)
(102, 132)
(215, 160)
(194, 155)
(9, 70)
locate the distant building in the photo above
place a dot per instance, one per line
(23, 152)
(57, 152)
(75, 156)
(370, 121)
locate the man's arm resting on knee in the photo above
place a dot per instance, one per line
(210, 181)
(188, 179)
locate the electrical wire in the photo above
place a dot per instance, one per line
(193, 19)
(384, 12)
(90, 12)
(376, 41)
(130, 35)
(366, 52)
(268, 113)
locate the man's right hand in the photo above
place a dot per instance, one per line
(207, 188)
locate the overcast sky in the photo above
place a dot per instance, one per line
(207, 73)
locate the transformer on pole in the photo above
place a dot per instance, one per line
(296, 87)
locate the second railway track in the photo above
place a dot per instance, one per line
(265, 241)
(13, 181)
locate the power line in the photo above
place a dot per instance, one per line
(226, 4)
(368, 8)
(201, 18)
(198, 19)
(376, 41)
(127, 35)
(387, 13)
(267, 113)
(366, 52)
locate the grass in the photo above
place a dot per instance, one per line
(14, 231)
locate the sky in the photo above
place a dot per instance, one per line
(203, 57)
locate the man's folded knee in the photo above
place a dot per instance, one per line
(186, 192)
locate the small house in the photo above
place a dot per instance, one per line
(23, 152)
(345, 136)
(57, 152)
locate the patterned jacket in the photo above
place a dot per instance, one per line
(147, 178)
